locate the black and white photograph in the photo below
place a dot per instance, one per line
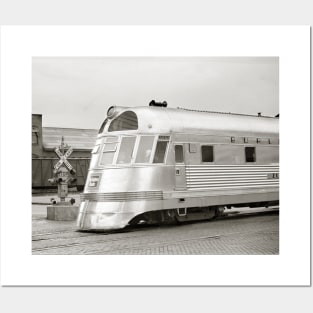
(155, 155)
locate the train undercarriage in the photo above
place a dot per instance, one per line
(180, 215)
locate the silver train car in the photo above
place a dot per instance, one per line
(162, 165)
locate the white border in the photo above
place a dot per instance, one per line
(19, 44)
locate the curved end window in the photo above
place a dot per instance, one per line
(126, 121)
(102, 126)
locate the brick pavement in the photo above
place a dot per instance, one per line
(257, 234)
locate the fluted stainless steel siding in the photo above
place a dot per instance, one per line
(122, 196)
(231, 176)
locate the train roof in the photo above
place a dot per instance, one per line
(78, 139)
(166, 120)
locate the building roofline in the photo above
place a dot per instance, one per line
(69, 128)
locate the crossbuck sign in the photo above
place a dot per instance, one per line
(63, 158)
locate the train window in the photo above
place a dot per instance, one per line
(102, 126)
(110, 139)
(144, 149)
(250, 154)
(160, 151)
(207, 153)
(164, 137)
(126, 150)
(108, 153)
(107, 158)
(108, 147)
(126, 121)
(179, 154)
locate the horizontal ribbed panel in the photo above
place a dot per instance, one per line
(122, 196)
(232, 187)
(231, 176)
(230, 170)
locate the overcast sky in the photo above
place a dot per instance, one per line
(76, 92)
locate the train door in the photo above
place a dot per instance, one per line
(180, 170)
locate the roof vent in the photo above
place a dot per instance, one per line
(260, 114)
(158, 104)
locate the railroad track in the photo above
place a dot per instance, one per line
(227, 215)
(131, 233)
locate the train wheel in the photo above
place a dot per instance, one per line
(219, 211)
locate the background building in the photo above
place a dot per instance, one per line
(44, 142)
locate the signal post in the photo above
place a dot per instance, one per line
(63, 176)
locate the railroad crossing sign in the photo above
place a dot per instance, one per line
(63, 157)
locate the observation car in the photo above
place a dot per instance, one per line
(161, 165)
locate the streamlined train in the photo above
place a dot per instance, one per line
(157, 164)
